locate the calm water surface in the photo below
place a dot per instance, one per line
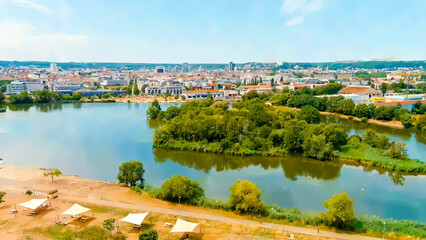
(92, 140)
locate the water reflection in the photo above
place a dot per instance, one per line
(20, 107)
(292, 166)
(49, 107)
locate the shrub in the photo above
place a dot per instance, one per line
(148, 235)
(245, 197)
(340, 211)
(180, 187)
(364, 119)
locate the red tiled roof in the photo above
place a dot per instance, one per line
(410, 102)
(195, 91)
(353, 90)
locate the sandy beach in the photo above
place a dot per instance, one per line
(109, 200)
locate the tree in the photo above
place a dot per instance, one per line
(310, 114)
(43, 96)
(131, 172)
(406, 120)
(129, 89)
(136, 90)
(2, 97)
(370, 137)
(397, 150)
(180, 187)
(2, 196)
(316, 147)
(109, 224)
(340, 211)
(382, 141)
(149, 234)
(384, 88)
(154, 110)
(361, 110)
(245, 197)
(143, 88)
(52, 172)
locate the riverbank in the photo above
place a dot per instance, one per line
(109, 200)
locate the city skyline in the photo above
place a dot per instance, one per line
(211, 32)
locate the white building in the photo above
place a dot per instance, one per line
(18, 86)
(114, 80)
(53, 67)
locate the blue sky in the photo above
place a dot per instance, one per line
(202, 31)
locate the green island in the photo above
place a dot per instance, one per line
(254, 127)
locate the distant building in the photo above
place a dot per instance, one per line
(198, 94)
(173, 89)
(67, 87)
(18, 86)
(160, 69)
(231, 67)
(114, 80)
(359, 94)
(53, 67)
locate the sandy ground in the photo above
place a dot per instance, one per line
(392, 124)
(109, 200)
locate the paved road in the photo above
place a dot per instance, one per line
(219, 218)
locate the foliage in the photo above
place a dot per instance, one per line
(245, 197)
(340, 211)
(2, 196)
(315, 146)
(2, 97)
(149, 234)
(406, 120)
(328, 89)
(129, 89)
(309, 114)
(109, 224)
(131, 172)
(180, 187)
(43, 96)
(154, 110)
(52, 172)
(136, 90)
(22, 98)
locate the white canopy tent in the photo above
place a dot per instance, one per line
(183, 226)
(76, 210)
(33, 203)
(135, 218)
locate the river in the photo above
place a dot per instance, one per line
(93, 139)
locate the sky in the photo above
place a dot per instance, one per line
(207, 31)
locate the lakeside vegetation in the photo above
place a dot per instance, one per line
(245, 199)
(252, 127)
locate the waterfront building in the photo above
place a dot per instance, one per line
(199, 94)
(163, 88)
(18, 86)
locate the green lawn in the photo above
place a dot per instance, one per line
(377, 157)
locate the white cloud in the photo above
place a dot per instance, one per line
(295, 21)
(300, 8)
(32, 4)
(20, 40)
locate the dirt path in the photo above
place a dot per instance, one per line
(219, 218)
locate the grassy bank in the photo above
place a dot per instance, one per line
(370, 225)
(365, 154)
